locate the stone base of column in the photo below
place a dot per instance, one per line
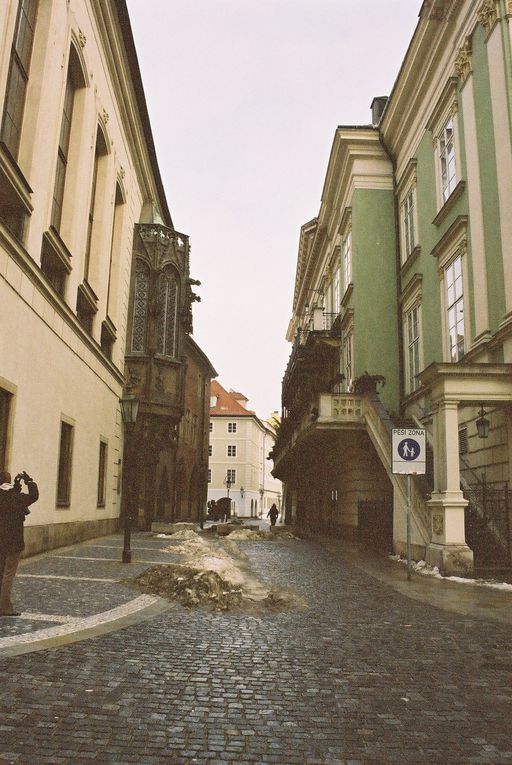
(451, 560)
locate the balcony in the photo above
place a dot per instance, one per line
(328, 412)
(312, 351)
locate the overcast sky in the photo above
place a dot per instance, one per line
(244, 97)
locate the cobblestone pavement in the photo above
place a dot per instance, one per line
(363, 675)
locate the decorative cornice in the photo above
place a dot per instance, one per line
(488, 15)
(464, 61)
(439, 10)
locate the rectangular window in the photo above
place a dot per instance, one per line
(447, 160)
(347, 353)
(408, 213)
(455, 309)
(231, 451)
(336, 293)
(231, 427)
(5, 409)
(17, 79)
(63, 151)
(347, 260)
(413, 349)
(65, 464)
(102, 474)
(231, 476)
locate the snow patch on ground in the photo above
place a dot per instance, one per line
(422, 567)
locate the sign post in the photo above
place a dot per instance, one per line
(408, 458)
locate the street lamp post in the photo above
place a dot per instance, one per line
(129, 409)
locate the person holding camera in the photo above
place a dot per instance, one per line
(13, 510)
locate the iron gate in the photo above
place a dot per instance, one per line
(488, 525)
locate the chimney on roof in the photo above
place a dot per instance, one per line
(377, 107)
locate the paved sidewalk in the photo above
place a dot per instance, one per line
(77, 592)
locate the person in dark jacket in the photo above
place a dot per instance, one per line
(273, 515)
(13, 510)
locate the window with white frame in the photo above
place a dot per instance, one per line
(413, 348)
(455, 309)
(408, 206)
(347, 359)
(448, 164)
(231, 476)
(336, 291)
(412, 333)
(443, 124)
(231, 427)
(347, 259)
(231, 450)
(408, 211)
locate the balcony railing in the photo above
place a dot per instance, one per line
(317, 322)
(327, 410)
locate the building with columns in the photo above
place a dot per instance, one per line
(240, 443)
(402, 313)
(86, 242)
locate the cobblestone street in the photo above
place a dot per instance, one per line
(363, 675)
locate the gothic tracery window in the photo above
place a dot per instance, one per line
(140, 307)
(167, 312)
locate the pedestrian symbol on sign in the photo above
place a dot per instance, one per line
(408, 449)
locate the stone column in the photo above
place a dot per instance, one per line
(448, 549)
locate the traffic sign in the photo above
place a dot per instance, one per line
(408, 450)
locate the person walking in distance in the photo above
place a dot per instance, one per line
(13, 510)
(273, 514)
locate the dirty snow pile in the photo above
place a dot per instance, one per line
(189, 586)
(249, 534)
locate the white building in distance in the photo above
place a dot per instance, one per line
(239, 446)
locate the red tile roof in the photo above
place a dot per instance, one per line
(227, 403)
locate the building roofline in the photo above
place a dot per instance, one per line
(131, 52)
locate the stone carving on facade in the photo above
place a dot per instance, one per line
(82, 39)
(437, 524)
(105, 116)
(164, 246)
(463, 61)
(488, 15)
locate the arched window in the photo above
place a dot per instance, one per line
(167, 298)
(140, 306)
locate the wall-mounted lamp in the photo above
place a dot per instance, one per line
(242, 491)
(482, 424)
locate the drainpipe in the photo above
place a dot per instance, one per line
(400, 324)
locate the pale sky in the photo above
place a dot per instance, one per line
(244, 97)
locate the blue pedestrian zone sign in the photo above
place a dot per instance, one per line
(408, 445)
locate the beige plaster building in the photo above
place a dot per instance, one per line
(78, 174)
(239, 446)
